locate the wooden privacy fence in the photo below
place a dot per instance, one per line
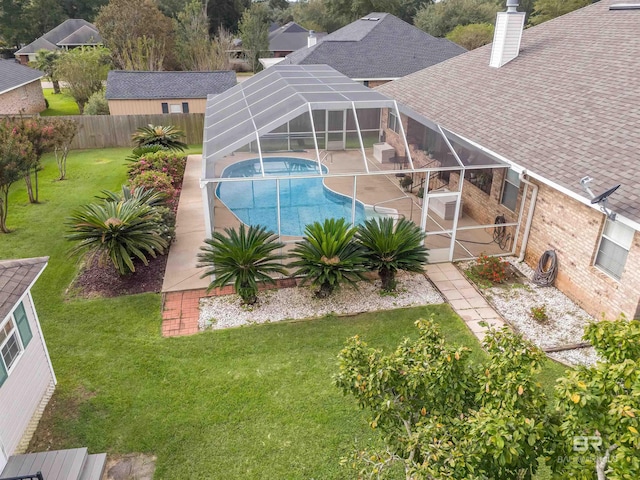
(101, 131)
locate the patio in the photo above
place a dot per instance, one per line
(379, 188)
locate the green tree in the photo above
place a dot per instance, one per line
(225, 14)
(97, 104)
(544, 10)
(42, 16)
(14, 28)
(117, 232)
(40, 133)
(314, 15)
(14, 148)
(472, 36)
(440, 18)
(168, 137)
(245, 257)
(64, 131)
(46, 62)
(352, 10)
(600, 407)
(441, 415)
(390, 246)
(195, 49)
(138, 34)
(83, 70)
(254, 32)
(329, 255)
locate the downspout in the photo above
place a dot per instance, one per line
(532, 207)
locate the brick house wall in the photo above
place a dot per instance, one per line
(27, 99)
(573, 230)
(559, 223)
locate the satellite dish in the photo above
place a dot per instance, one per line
(605, 195)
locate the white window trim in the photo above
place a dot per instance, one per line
(505, 180)
(612, 240)
(20, 345)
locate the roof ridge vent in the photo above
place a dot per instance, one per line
(625, 6)
(371, 19)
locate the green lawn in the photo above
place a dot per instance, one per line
(254, 402)
(59, 104)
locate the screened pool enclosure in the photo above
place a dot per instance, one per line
(297, 144)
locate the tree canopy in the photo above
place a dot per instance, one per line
(138, 34)
(254, 32)
(83, 70)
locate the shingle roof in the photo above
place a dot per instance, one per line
(128, 85)
(15, 278)
(566, 107)
(85, 35)
(12, 75)
(289, 37)
(38, 44)
(383, 48)
(63, 32)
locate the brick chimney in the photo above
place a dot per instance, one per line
(506, 38)
(311, 39)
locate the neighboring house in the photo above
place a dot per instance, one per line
(376, 49)
(20, 89)
(27, 379)
(135, 93)
(289, 38)
(73, 32)
(562, 105)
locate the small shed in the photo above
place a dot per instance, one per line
(20, 89)
(140, 93)
(27, 379)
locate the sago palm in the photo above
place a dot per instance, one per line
(244, 256)
(329, 256)
(117, 231)
(390, 246)
(167, 137)
(148, 196)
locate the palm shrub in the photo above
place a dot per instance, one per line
(118, 232)
(329, 255)
(165, 216)
(244, 256)
(391, 246)
(166, 136)
(138, 152)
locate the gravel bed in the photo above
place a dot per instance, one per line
(566, 321)
(300, 302)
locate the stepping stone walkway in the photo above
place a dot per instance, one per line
(464, 298)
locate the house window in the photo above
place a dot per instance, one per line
(185, 107)
(175, 108)
(614, 247)
(482, 179)
(165, 107)
(394, 122)
(510, 189)
(15, 335)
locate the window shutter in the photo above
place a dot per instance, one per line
(3, 372)
(22, 323)
(165, 107)
(185, 107)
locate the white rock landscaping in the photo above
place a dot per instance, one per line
(300, 303)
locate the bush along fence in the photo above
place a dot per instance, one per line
(103, 131)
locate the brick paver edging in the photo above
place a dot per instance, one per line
(181, 310)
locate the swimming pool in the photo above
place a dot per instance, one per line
(302, 200)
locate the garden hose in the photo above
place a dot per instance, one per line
(545, 276)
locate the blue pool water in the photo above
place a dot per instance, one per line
(302, 200)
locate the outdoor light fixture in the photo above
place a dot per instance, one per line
(601, 199)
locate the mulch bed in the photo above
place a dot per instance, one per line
(96, 280)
